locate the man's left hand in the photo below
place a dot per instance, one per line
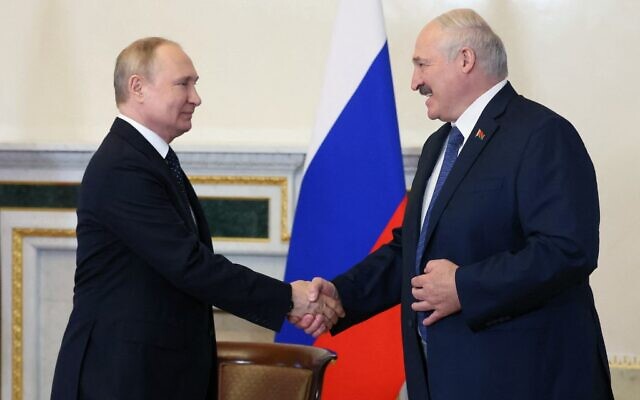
(436, 290)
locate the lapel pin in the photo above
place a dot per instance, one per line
(480, 135)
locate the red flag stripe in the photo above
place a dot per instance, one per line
(370, 351)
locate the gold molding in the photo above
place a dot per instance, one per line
(16, 315)
(238, 239)
(625, 362)
(17, 242)
(279, 181)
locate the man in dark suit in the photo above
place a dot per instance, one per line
(492, 262)
(147, 275)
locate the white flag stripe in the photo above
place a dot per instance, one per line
(355, 44)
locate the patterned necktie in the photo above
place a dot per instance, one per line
(450, 155)
(176, 170)
(174, 166)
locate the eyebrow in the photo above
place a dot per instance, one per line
(419, 59)
(188, 78)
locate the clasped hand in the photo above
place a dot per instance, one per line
(436, 290)
(316, 306)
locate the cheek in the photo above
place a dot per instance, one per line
(175, 107)
(442, 88)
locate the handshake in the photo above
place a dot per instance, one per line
(316, 306)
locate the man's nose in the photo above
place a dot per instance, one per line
(416, 80)
(194, 97)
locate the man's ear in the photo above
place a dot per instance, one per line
(468, 59)
(135, 85)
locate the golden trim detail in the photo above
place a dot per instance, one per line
(279, 181)
(16, 315)
(625, 362)
(17, 241)
(233, 239)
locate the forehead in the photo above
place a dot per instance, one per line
(171, 59)
(429, 40)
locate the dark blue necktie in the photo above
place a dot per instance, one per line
(176, 170)
(450, 154)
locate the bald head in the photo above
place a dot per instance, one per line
(136, 59)
(457, 58)
(464, 27)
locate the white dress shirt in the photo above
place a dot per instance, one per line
(153, 138)
(465, 124)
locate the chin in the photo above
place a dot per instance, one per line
(179, 132)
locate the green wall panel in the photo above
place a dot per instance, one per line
(237, 218)
(38, 196)
(227, 217)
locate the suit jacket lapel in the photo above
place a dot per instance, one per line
(157, 164)
(480, 136)
(428, 157)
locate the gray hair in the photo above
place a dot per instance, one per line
(136, 59)
(466, 28)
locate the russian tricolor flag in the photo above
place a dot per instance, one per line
(351, 196)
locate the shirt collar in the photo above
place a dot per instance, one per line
(153, 138)
(470, 116)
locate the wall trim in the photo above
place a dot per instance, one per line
(625, 362)
(279, 181)
(17, 243)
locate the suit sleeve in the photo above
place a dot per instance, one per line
(371, 286)
(134, 206)
(558, 217)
